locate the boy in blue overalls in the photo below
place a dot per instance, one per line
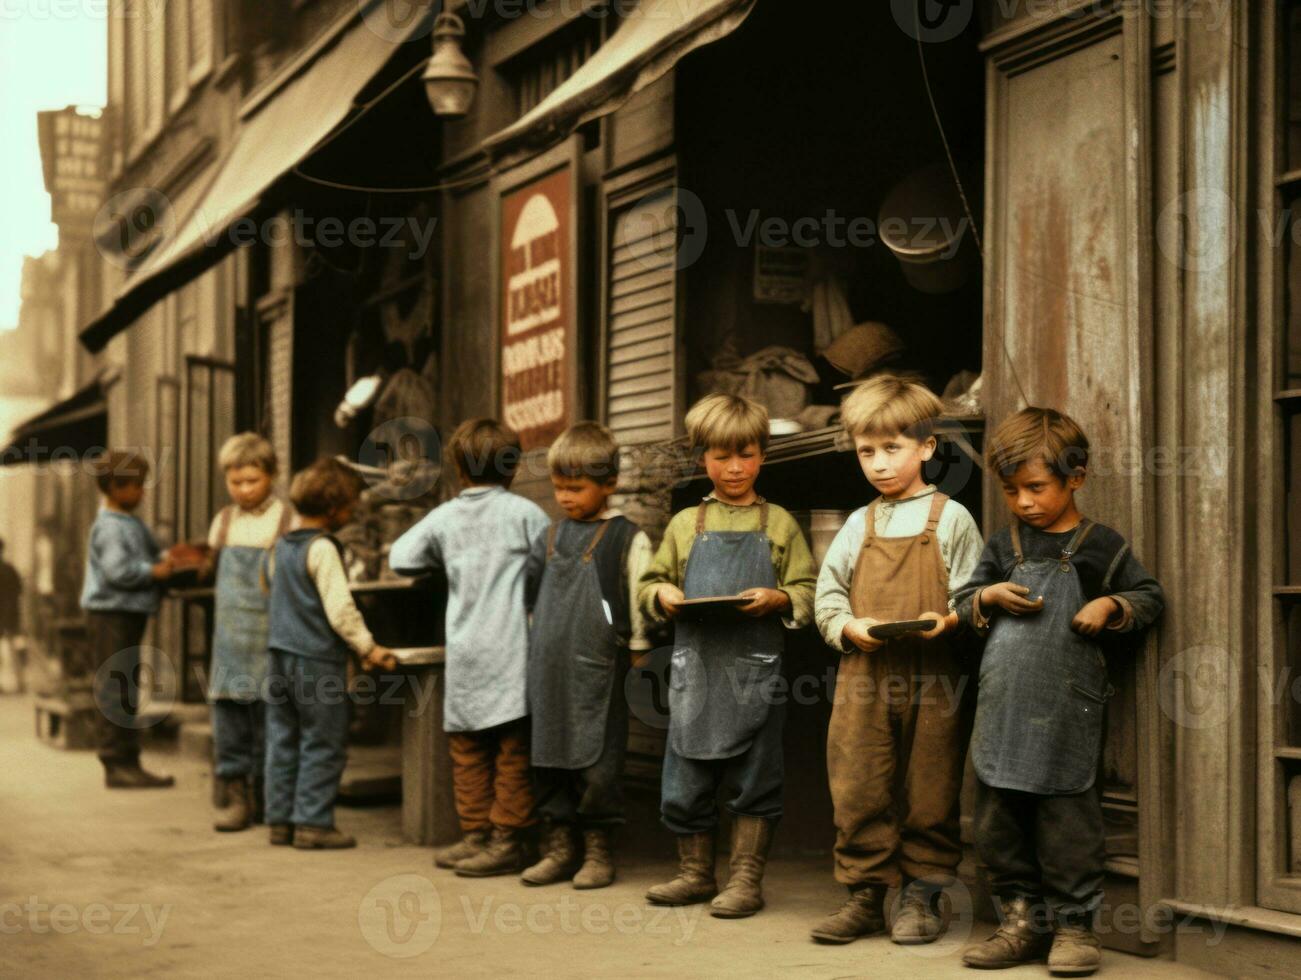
(240, 535)
(313, 623)
(584, 570)
(1046, 591)
(725, 725)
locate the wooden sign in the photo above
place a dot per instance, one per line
(538, 319)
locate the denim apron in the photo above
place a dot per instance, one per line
(724, 664)
(573, 654)
(1043, 686)
(239, 633)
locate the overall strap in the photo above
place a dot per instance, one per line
(1073, 546)
(933, 518)
(551, 539)
(223, 525)
(1016, 541)
(700, 516)
(763, 515)
(869, 524)
(596, 539)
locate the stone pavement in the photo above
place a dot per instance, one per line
(97, 883)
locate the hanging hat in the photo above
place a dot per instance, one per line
(863, 348)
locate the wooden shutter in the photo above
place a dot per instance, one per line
(641, 307)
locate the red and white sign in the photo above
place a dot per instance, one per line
(537, 321)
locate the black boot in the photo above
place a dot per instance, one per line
(129, 775)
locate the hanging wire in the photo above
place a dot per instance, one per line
(363, 109)
(957, 180)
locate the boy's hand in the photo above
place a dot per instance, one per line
(943, 623)
(162, 570)
(1093, 618)
(381, 657)
(670, 598)
(855, 632)
(764, 602)
(1011, 598)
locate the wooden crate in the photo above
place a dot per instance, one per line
(66, 722)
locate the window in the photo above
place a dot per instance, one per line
(550, 63)
(1280, 715)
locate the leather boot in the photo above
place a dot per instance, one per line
(129, 775)
(322, 838)
(237, 814)
(598, 869)
(471, 844)
(695, 878)
(862, 915)
(503, 855)
(559, 857)
(920, 918)
(281, 834)
(1076, 951)
(743, 896)
(1023, 937)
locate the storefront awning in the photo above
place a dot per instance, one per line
(69, 430)
(271, 141)
(653, 38)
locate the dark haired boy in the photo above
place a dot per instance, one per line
(313, 622)
(1046, 591)
(481, 540)
(124, 567)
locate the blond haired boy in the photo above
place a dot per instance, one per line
(240, 536)
(725, 725)
(895, 744)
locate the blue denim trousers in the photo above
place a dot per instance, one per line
(238, 738)
(307, 738)
(752, 782)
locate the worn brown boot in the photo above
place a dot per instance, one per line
(695, 879)
(1076, 951)
(1022, 938)
(921, 917)
(129, 775)
(559, 857)
(322, 839)
(503, 855)
(743, 896)
(598, 869)
(862, 915)
(471, 844)
(281, 834)
(237, 814)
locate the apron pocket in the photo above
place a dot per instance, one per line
(1085, 693)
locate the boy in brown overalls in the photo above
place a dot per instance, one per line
(896, 742)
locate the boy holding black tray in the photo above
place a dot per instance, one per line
(725, 725)
(896, 742)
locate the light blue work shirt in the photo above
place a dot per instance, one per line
(119, 565)
(481, 539)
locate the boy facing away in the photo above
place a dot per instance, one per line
(897, 739)
(1046, 591)
(583, 571)
(313, 622)
(481, 539)
(725, 725)
(240, 535)
(124, 569)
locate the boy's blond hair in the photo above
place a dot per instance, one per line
(117, 467)
(891, 405)
(248, 449)
(324, 486)
(1038, 433)
(727, 422)
(484, 451)
(586, 450)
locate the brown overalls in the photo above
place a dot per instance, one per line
(896, 743)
